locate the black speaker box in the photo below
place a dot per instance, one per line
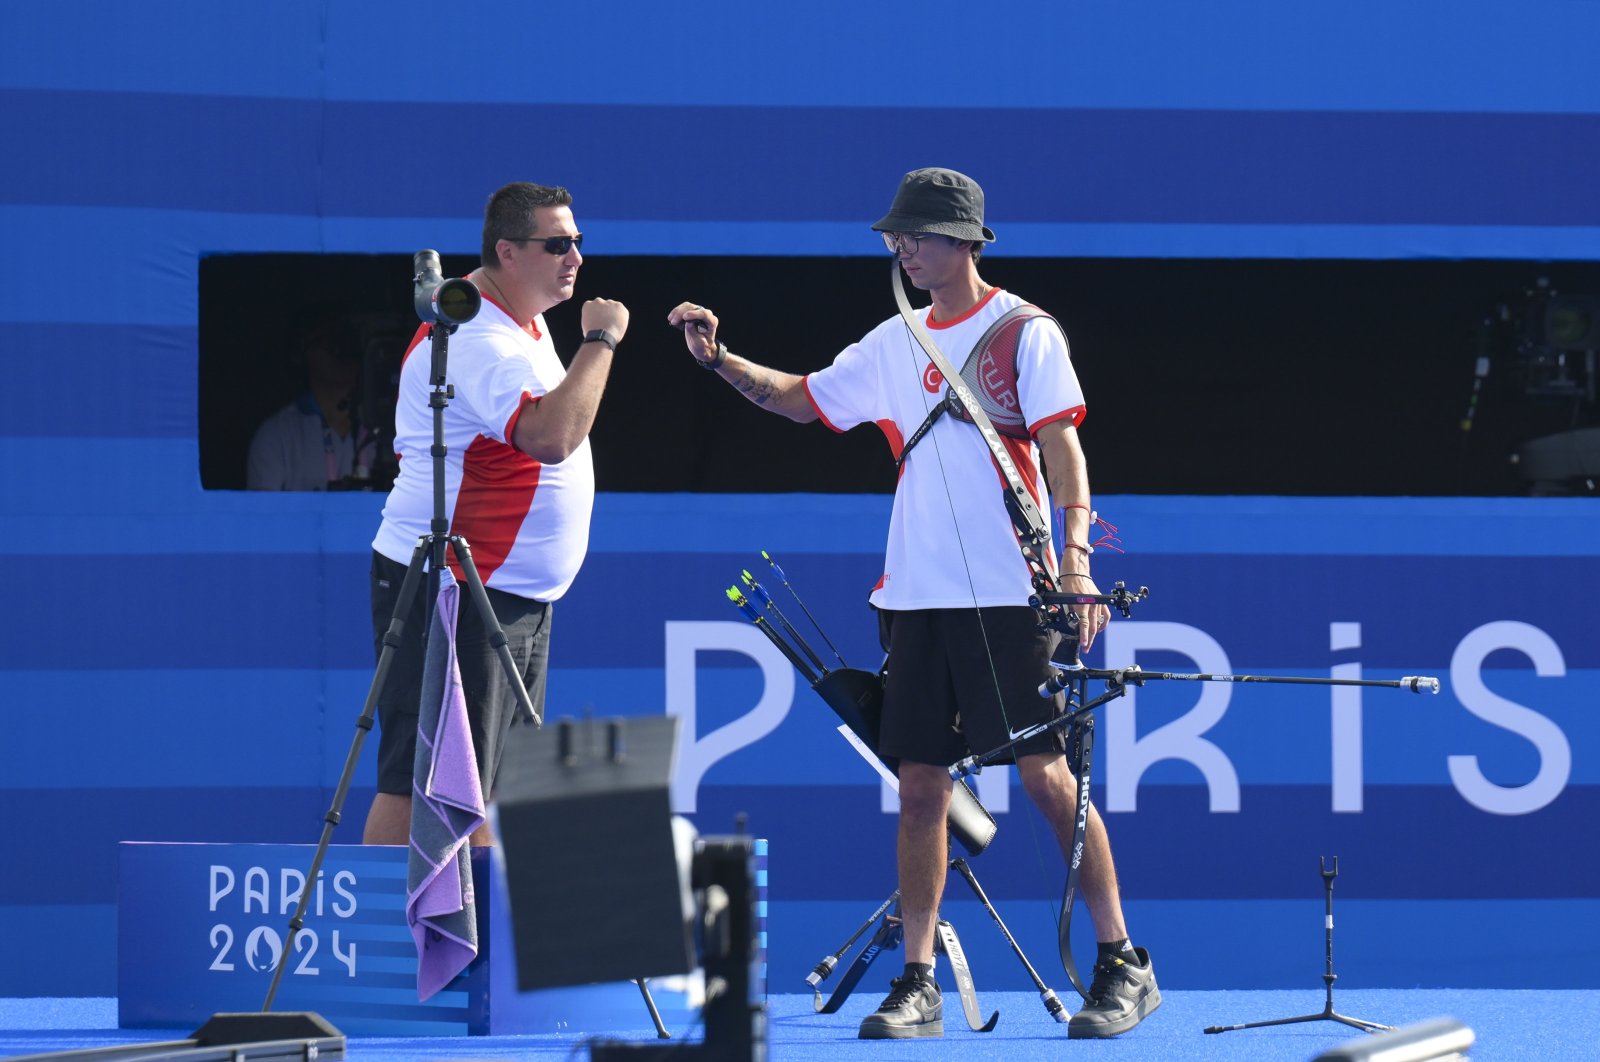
(597, 887)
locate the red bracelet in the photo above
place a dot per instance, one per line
(1074, 545)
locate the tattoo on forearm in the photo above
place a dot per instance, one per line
(758, 389)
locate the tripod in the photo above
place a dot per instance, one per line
(1328, 978)
(430, 550)
(446, 304)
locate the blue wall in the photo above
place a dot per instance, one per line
(185, 665)
(215, 698)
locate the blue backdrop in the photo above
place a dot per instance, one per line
(187, 665)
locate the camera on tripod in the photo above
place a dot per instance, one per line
(439, 301)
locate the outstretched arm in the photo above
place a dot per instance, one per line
(781, 392)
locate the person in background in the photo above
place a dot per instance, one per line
(317, 442)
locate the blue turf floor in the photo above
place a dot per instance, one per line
(1511, 1026)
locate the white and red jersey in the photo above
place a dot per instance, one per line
(951, 543)
(526, 522)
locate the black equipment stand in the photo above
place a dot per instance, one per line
(1328, 978)
(890, 933)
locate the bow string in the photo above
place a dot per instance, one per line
(1033, 538)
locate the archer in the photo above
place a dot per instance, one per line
(966, 651)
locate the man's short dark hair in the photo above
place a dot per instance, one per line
(974, 247)
(510, 213)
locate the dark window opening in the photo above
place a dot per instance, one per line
(1297, 377)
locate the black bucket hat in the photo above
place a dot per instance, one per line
(938, 200)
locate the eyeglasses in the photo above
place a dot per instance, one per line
(908, 243)
(557, 245)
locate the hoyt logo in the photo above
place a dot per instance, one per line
(1083, 821)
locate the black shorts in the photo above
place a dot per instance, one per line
(492, 704)
(960, 681)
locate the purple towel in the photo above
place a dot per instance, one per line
(446, 806)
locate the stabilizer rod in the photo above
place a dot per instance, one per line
(1137, 676)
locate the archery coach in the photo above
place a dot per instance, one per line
(519, 484)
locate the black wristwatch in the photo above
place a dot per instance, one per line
(600, 335)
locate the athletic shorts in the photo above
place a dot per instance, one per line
(959, 682)
(492, 704)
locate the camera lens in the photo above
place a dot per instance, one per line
(457, 301)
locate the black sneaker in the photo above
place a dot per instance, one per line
(914, 1008)
(1119, 998)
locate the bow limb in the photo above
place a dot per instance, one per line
(1080, 753)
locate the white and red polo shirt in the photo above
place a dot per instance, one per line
(949, 520)
(526, 522)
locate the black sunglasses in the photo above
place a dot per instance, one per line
(552, 244)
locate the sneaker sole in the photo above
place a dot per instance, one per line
(900, 1032)
(1106, 1030)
